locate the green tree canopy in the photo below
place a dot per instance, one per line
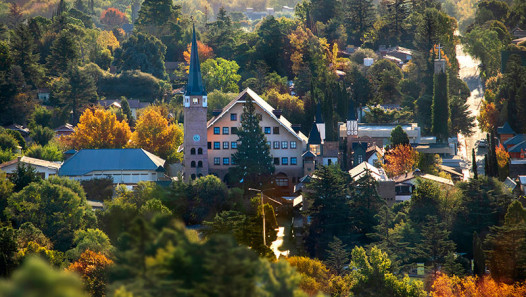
(220, 74)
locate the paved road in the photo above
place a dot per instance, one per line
(469, 73)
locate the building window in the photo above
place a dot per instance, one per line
(217, 130)
(192, 151)
(209, 145)
(258, 116)
(360, 159)
(282, 182)
(225, 130)
(284, 161)
(233, 130)
(217, 145)
(217, 161)
(200, 151)
(233, 145)
(276, 144)
(269, 144)
(193, 176)
(276, 130)
(293, 161)
(195, 100)
(233, 116)
(226, 161)
(276, 161)
(267, 130)
(293, 145)
(200, 164)
(284, 144)
(225, 145)
(192, 164)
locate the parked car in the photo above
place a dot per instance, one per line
(483, 143)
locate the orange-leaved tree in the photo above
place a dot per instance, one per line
(92, 268)
(205, 52)
(488, 117)
(98, 129)
(503, 159)
(400, 160)
(449, 286)
(155, 134)
(112, 17)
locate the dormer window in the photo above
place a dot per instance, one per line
(195, 100)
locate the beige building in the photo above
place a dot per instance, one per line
(286, 144)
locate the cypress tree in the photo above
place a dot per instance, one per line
(474, 164)
(440, 108)
(253, 159)
(479, 262)
(486, 165)
(125, 106)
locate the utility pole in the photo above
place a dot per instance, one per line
(263, 210)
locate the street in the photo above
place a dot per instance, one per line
(469, 73)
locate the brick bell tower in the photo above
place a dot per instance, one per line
(195, 124)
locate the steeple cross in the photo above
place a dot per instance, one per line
(439, 48)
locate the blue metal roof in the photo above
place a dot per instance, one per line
(515, 140)
(505, 129)
(518, 147)
(89, 160)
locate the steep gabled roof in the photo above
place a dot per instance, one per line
(195, 85)
(505, 129)
(240, 99)
(314, 135)
(89, 160)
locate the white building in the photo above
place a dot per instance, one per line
(286, 144)
(124, 166)
(44, 168)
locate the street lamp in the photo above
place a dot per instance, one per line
(262, 211)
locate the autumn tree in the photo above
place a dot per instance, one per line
(205, 52)
(400, 160)
(113, 17)
(503, 160)
(488, 117)
(99, 129)
(449, 286)
(155, 134)
(107, 39)
(92, 267)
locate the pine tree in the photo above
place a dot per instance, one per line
(254, 164)
(338, 256)
(61, 8)
(65, 52)
(23, 54)
(436, 244)
(361, 17)
(474, 164)
(440, 108)
(398, 136)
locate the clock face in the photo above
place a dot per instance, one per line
(197, 137)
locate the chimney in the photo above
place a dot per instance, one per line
(277, 112)
(296, 127)
(216, 112)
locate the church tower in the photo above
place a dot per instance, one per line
(195, 105)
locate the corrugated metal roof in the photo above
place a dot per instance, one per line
(505, 129)
(89, 160)
(518, 147)
(515, 140)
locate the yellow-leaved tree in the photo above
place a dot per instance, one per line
(98, 129)
(155, 134)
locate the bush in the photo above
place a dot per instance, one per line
(7, 141)
(6, 155)
(131, 84)
(98, 189)
(42, 135)
(21, 141)
(50, 152)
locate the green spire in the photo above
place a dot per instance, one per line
(195, 82)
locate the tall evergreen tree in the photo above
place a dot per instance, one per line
(126, 110)
(23, 54)
(479, 261)
(360, 16)
(254, 164)
(337, 256)
(65, 52)
(440, 108)
(61, 8)
(398, 136)
(436, 244)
